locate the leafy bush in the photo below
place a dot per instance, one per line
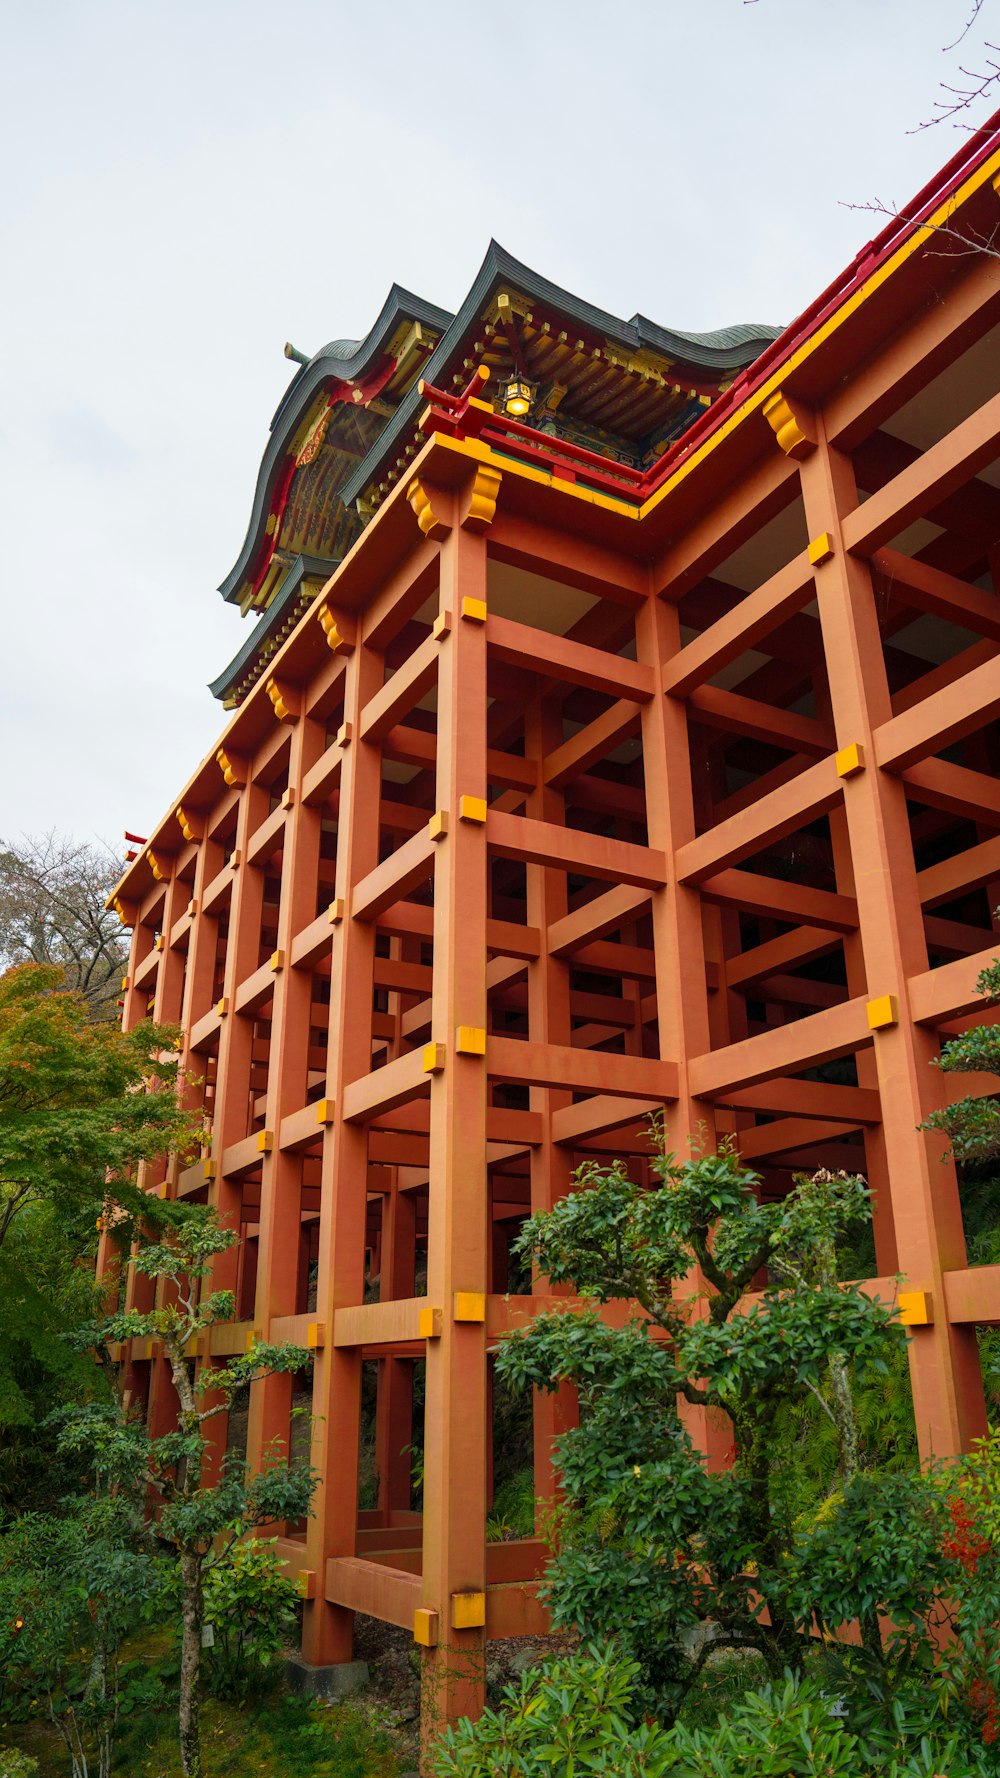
(580, 1716)
(16, 1765)
(71, 1590)
(573, 1715)
(250, 1604)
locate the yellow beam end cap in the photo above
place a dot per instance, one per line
(316, 1335)
(850, 760)
(916, 1308)
(441, 625)
(820, 548)
(209, 1169)
(335, 912)
(305, 1583)
(435, 1056)
(324, 1111)
(430, 1324)
(474, 611)
(470, 1040)
(253, 1335)
(472, 808)
(469, 1305)
(288, 798)
(882, 1012)
(222, 1007)
(437, 826)
(277, 960)
(265, 1141)
(468, 1611)
(425, 1627)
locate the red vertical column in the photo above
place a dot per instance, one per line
(548, 1022)
(678, 936)
(327, 1630)
(281, 1180)
(455, 1442)
(944, 1364)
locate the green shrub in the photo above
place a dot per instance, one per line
(16, 1765)
(250, 1604)
(570, 1716)
(580, 1716)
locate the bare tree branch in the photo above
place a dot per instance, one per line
(52, 895)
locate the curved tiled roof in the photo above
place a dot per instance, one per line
(720, 351)
(372, 391)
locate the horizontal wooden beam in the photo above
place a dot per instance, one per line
(973, 1296)
(953, 876)
(950, 991)
(944, 717)
(418, 747)
(958, 791)
(754, 720)
(566, 848)
(255, 991)
(787, 1133)
(321, 779)
(605, 913)
(372, 1324)
(386, 1593)
(384, 1088)
(943, 595)
(586, 1071)
(399, 694)
(393, 879)
(785, 811)
(750, 620)
(558, 657)
(803, 1043)
(773, 898)
(268, 837)
(572, 1124)
(935, 474)
(592, 744)
(806, 1098)
(789, 951)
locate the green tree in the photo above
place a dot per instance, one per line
(655, 1548)
(72, 1588)
(202, 1519)
(81, 1104)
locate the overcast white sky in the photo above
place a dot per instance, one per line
(186, 186)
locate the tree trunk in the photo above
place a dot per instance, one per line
(192, 1612)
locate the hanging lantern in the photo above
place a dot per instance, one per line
(518, 395)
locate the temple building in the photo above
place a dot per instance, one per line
(614, 732)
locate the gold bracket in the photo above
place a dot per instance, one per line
(483, 499)
(426, 517)
(790, 425)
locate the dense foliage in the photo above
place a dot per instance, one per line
(202, 1518)
(81, 1104)
(654, 1544)
(583, 1716)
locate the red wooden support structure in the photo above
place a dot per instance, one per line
(563, 787)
